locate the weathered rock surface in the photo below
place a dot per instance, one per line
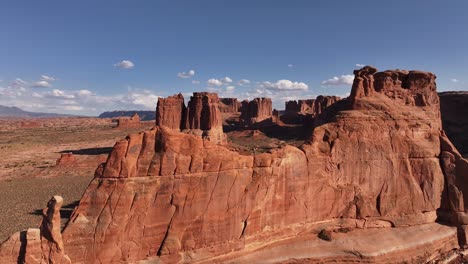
(372, 161)
(312, 107)
(125, 122)
(229, 105)
(453, 108)
(43, 245)
(66, 159)
(201, 117)
(302, 111)
(171, 111)
(255, 111)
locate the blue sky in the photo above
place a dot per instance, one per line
(85, 57)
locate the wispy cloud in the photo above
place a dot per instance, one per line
(290, 66)
(360, 65)
(339, 81)
(243, 82)
(125, 64)
(454, 80)
(185, 75)
(195, 82)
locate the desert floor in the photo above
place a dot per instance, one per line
(28, 172)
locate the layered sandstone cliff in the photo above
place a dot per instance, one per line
(372, 161)
(171, 111)
(201, 117)
(255, 111)
(229, 105)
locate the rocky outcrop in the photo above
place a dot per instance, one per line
(414, 88)
(171, 111)
(229, 105)
(66, 159)
(43, 245)
(255, 111)
(311, 107)
(453, 106)
(204, 118)
(132, 122)
(201, 117)
(172, 197)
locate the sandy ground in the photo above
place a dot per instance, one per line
(28, 172)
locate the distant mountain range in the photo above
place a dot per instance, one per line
(15, 112)
(144, 115)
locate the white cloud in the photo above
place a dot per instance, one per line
(290, 65)
(243, 82)
(454, 80)
(125, 64)
(195, 82)
(185, 75)
(79, 101)
(230, 88)
(360, 65)
(285, 85)
(339, 81)
(226, 80)
(214, 82)
(41, 84)
(47, 78)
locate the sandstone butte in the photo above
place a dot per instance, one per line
(255, 111)
(125, 122)
(376, 164)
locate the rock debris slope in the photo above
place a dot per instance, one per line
(373, 160)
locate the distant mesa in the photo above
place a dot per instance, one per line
(128, 122)
(144, 115)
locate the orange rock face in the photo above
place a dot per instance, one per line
(202, 116)
(229, 105)
(305, 110)
(170, 111)
(132, 122)
(66, 159)
(43, 245)
(173, 197)
(255, 111)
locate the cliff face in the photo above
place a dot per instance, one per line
(174, 197)
(257, 110)
(229, 105)
(171, 111)
(453, 106)
(201, 117)
(309, 107)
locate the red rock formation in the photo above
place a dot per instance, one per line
(43, 245)
(204, 118)
(408, 87)
(125, 122)
(453, 106)
(170, 111)
(257, 110)
(30, 124)
(311, 106)
(229, 105)
(173, 197)
(66, 159)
